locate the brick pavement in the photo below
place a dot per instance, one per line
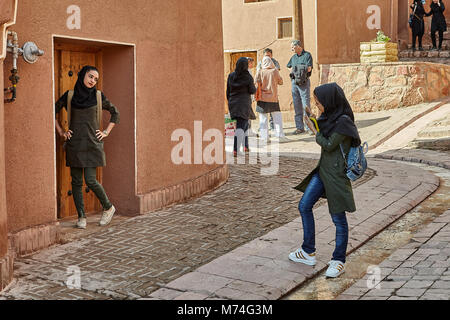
(133, 257)
(220, 245)
(418, 271)
(260, 269)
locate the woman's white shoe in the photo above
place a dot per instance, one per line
(107, 216)
(81, 223)
(335, 269)
(301, 256)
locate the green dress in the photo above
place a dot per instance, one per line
(84, 150)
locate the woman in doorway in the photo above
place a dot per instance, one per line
(240, 87)
(418, 25)
(328, 179)
(84, 141)
(438, 23)
(269, 78)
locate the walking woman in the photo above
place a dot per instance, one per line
(269, 78)
(84, 140)
(438, 23)
(328, 179)
(240, 87)
(418, 25)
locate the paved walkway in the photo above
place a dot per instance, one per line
(260, 269)
(230, 244)
(418, 271)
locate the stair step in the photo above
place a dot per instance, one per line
(424, 54)
(432, 144)
(441, 122)
(435, 132)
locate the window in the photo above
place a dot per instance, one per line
(250, 1)
(284, 28)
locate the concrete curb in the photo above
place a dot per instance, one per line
(429, 157)
(261, 269)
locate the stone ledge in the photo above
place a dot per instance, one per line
(390, 85)
(33, 239)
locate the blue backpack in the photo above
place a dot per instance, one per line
(356, 162)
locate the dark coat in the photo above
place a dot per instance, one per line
(336, 125)
(438, 22)
(331, 167)
(240, 87)
(418, 25)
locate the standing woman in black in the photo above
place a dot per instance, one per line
(84, 141)
(240, 87)
(438, 22)
(418, 25)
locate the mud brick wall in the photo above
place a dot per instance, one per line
(383, 86)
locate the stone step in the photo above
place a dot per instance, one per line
(441, 122)
(432, 144)
(445, 45)
(435, 132)
(424, 54)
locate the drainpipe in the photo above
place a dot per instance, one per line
(13, 47)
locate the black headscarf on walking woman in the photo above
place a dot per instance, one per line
(241, 71)
(333, 99)
(83, 96)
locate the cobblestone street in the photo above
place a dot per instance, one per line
(136, 256)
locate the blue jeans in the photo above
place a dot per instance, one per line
(312, 194)
(301, 99)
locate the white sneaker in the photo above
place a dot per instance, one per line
(107, 216)
(300, 255)
(335, 268)
(81, 223)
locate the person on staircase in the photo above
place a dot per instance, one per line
(418, 25)
(438, 23)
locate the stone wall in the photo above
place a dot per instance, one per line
(383, 86)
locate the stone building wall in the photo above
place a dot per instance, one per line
(383, 86)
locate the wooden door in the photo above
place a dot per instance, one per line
(68, 62)
(248, 54)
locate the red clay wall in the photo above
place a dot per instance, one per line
(342, 25)
(178, 51)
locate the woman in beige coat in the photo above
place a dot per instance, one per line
(268, 77)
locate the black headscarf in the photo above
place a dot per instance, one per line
(241, 71)
(83, 96)
(338, 115)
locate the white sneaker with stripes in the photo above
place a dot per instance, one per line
(335, 269)
(300, 255)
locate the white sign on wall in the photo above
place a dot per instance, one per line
(374, 21)
(74, 20)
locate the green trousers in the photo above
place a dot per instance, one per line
(90, 176)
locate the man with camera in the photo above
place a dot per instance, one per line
(301, 65)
